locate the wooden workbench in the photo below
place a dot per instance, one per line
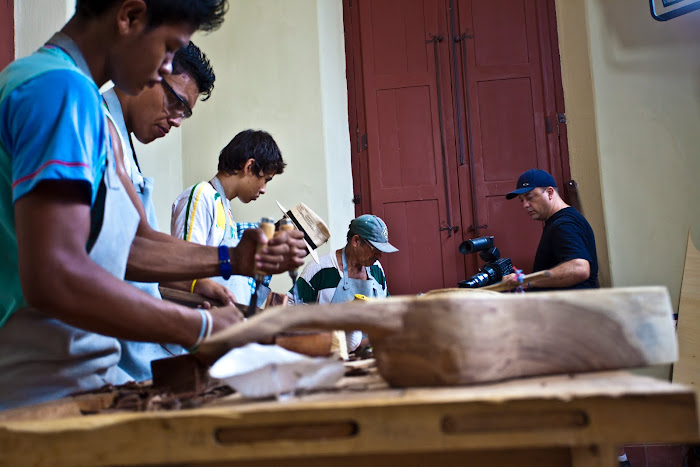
(561, 420)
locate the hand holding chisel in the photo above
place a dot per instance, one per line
(267, 225)
(287, 225)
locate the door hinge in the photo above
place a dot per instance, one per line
(561, 119)
(357, 199)
(360, 139)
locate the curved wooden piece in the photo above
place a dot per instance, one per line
(471, 338)
(374, 317)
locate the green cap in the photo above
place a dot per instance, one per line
(373, 230)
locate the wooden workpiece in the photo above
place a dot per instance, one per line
(548, 421)
(471, 338)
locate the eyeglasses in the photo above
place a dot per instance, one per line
(176, 106)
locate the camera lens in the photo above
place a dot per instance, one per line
(476, 244)
(477, 280)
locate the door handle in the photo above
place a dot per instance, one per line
(450, 229)
(445, 173)
(475, 227)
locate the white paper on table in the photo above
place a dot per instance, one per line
(256, 370)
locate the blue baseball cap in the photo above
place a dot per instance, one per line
(530, 180)
(373, 230)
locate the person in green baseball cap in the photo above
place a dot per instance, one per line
(353, 269)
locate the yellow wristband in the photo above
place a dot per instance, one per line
(192, 288)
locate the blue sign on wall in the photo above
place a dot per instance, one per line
(663, 10)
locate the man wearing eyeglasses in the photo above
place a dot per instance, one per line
(353, 269)
(150, 115)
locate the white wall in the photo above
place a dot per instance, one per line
(162, 160)
(37, 20)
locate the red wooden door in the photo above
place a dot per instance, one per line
(407, 178)
(428, 135)
(511, 117)
(7, 33)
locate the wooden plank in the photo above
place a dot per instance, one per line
(619, 408)
(687, 370)
(452, 339)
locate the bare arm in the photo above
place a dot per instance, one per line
(563, 275)
(153, 261)
(59, 278)
(566, 274)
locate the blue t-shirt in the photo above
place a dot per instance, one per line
(52, 127)
(567, 235)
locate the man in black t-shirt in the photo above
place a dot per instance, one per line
(567, 247)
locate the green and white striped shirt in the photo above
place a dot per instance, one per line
(317, 283)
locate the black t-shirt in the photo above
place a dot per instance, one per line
(567, 235)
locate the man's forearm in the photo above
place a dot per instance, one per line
(59, 278)
(566, 274)
(158, 261)
(175, 260)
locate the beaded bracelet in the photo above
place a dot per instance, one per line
(205, 331)
(225, 268)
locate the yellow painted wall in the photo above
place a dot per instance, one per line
(632, 91)
(581, 121)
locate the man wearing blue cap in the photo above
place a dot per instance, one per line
(353, 269)
(567, 246)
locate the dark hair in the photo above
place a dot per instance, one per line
(191, 60)
(204, 15)
(258, 145)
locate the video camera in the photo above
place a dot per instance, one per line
(495, 268)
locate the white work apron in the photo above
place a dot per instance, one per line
(43, 358)
(345, 292)
(137, 356)
(239, 285)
